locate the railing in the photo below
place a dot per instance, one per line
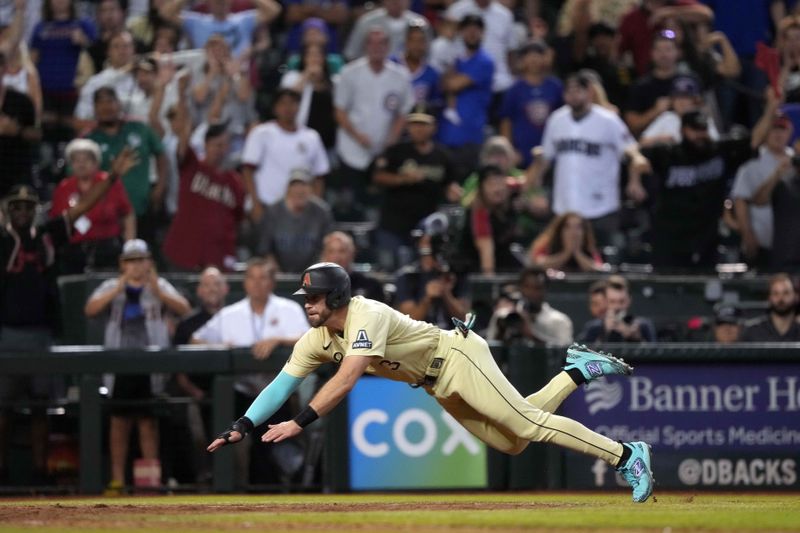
(528, 368)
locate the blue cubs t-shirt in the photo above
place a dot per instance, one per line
(425, 82)
(527, 107)
(237, 29)
(58, 55)
(472, 104)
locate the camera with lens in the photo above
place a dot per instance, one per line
(624, 316)
(510, 323)
(443, 227)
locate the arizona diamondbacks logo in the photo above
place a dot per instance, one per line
(362, 341)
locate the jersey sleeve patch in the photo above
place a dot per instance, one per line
(362, 341)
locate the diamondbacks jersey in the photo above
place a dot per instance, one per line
(587, 154)
(405, 346)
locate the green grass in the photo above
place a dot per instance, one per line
(397, 512)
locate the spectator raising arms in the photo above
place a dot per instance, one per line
(313, 81)
(17, 132)
(206, 187)
(56, 46)
(237, 28)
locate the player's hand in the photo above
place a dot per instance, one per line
(263, 349)
(219, 442)
(282, 431)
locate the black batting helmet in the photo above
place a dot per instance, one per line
(329, 279)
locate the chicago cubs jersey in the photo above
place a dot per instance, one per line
(586, 154)
(405, 346)
(372, 101)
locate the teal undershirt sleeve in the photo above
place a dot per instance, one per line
(272, 397)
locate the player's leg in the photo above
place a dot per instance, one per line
(551, 396)
(496, 436)
(471, 373)
(583, 366)
(474, 376)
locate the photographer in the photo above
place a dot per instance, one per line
(782, 191)
(524, 314)
(618, 325)
(428, 290)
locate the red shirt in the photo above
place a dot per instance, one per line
(103, 218)
(210, 206)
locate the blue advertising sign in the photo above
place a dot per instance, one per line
(400, 438)
(709, 425)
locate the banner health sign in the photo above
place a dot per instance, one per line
(715, 426)
(401, 439)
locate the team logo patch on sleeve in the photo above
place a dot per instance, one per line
(362, 341)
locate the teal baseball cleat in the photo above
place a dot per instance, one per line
(637, 471)
(594, 364)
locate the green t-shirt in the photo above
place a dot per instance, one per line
(144, 140)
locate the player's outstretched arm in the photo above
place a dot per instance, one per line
(264, 406)
(328, 397)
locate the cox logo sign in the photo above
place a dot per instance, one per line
(400, 438)
(458, 436)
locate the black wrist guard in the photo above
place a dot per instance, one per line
(243, 426)
(306, 416)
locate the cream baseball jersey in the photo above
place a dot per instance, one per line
(405, 346)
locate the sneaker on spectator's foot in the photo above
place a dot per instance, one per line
(637, 471)
(594, 364)
(114, 488)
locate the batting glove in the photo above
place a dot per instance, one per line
(243, 426)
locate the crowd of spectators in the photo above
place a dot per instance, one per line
(465, 137)
(632, 116)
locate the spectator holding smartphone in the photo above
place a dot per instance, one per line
(618, 324)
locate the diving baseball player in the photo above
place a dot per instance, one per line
(456, 367)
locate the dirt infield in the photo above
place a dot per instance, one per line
(463, 513)
(130, 515)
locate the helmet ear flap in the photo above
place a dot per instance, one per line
(332, 299)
